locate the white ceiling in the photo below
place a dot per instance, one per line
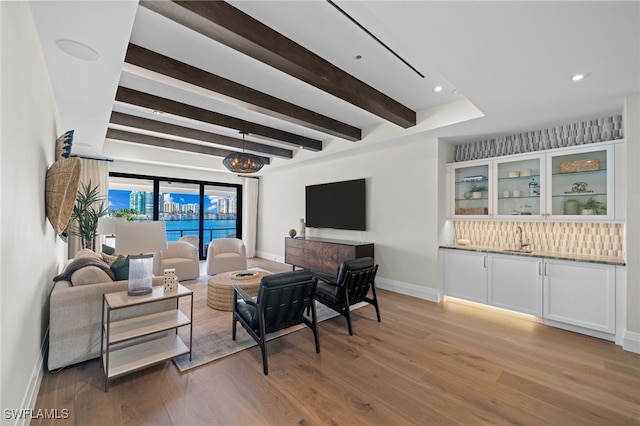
(505, 68)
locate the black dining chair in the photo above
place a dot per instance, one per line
(355, 279)
(283, 300)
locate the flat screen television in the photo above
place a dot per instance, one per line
(337, 205)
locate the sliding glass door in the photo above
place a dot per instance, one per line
(194, 211)
(221, 219)
(179, 206)
(131, 198)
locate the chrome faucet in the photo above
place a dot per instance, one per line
(521, 244)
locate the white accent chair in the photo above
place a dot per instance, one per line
(191, 239)
(181, 256)
(225, 255)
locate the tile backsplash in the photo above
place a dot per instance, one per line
(593, 239)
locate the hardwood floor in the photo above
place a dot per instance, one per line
(424, 364)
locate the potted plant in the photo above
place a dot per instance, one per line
(593, 207)
(477, 190)
(89, 207)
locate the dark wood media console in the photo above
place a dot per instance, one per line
(323, 255)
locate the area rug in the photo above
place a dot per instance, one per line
(212, 329)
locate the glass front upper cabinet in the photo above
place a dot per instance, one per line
(581, 183)
(471, 189)
(520, 184)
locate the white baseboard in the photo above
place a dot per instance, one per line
(270, 256)
(631, 342)
(413, 290)
(31, 394)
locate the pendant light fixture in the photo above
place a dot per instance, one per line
(241, 162)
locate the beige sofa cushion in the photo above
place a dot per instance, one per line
(89, 275)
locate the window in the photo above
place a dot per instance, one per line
(206, 210)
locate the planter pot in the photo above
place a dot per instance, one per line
(588, 211)
(476, 194)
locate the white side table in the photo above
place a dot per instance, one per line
(125, 360)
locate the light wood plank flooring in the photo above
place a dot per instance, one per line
(425, 364)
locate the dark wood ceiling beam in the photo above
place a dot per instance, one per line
(134, 97)
(239, 94)
(199, 135)
(141, 139)
(224, 23)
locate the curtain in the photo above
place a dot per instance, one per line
(96, 171)
(250, 214)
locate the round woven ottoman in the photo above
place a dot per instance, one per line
(220, 289)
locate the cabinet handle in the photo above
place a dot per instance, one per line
(485, 261)
(539, 268)
(545, 269)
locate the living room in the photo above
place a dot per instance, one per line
(406, 173)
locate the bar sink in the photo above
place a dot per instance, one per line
(517, 251)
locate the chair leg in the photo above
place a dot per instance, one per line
(348, 316)
(375, 302)
(314, 327)
(233, 326)
(265, 364)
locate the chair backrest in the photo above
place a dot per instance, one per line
(356, 276)
(283, 298)
(179, 249)
(191, 239)
(227, 245)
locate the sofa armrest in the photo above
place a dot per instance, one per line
(75, 319)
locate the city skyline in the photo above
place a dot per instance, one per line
(121, 199)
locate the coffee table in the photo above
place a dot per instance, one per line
(220, 289)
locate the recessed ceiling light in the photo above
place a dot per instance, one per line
(78, 50)
(437, 89)
(579, 76)
(158, 112)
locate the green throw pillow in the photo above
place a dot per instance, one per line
(108, 250)
(120, 268)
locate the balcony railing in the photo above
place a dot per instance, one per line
(209, 234)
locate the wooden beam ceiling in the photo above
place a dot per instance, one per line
(224, 23)
(139, 138)
(145, 100)
(239, 94)
(199, 135)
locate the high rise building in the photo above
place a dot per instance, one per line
(137, 201)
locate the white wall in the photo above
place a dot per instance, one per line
(632, 138)
(402, 211)
(30, 252)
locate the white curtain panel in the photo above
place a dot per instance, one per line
(250, 213)
(96, 171)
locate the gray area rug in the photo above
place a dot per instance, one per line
(212, 329)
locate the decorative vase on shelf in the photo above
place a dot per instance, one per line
(467, 195)
(303, 227)
(571, 207)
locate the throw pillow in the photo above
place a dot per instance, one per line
(108, 258)
(120, 268)
(85, 252)
(107, 249)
